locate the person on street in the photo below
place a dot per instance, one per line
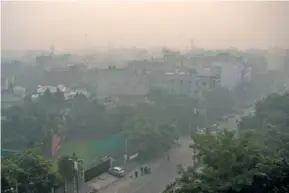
(141, 170)
(136, 174)
(168, 157)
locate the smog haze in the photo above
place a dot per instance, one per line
(98, 25)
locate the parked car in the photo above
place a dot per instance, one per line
(117, 171)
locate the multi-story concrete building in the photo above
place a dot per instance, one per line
(154, 65)
(129, 82)
(286, 61)
(231, 75)
(120, 81)
(231, 69)
(11, 94)
(54, 61)
(188, 82)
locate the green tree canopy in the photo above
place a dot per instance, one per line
(149, 136)
(27, 171)
(252, 161)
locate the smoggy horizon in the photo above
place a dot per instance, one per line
(80, 25)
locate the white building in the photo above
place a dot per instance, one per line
(68, 92)
(19, 90)
(230, 73)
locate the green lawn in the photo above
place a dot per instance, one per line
(79, 147)
(91, 150)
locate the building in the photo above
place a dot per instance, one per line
(68, 92)
(55, 61)
(154, 65)
(141, 76)
(10, 99)
(67, 76)
(231, 69)
(11, 94)
(286, 61)
(120, 81)
(231, 76)
(189, 82)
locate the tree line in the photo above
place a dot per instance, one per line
(255, 159)
(28, 124)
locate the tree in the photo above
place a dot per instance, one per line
(271, 111)
(254, 161)
(149, 136)
(86, 117)
(28, 171)
(175, 108)
(10, 173)
(28, 124)
(233, 164)
(116, 117)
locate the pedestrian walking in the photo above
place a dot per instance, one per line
(141, 170)
(136, 174)
(168, 157)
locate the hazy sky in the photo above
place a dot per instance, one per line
(76, 24)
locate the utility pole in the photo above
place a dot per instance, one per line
(125, 154)
(77, 181)
(74, 161)
(16, 186)
(194, 148)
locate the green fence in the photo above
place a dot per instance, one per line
(107, 147)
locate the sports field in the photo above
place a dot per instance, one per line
(89, 150)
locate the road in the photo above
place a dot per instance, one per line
(163, 172)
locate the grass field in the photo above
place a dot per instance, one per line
(90, 150)
(80, 148)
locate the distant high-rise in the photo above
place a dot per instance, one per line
(286, 60)
(52, 50)
(193, 47)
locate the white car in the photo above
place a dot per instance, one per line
(117, 171)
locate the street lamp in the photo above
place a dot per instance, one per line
(75, 173)
(31, 185)
(125, 153)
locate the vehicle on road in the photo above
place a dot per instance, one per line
(117, 171)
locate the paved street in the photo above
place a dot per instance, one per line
(163, 172)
